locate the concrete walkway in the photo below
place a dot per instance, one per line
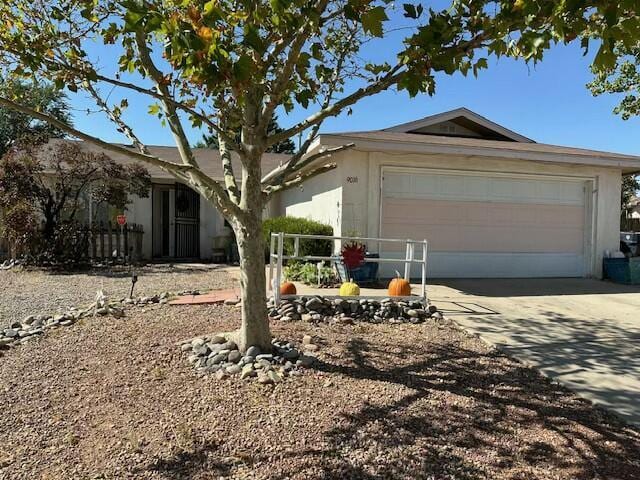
(583, 333)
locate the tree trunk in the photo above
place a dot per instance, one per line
(255, 323)
(49, 225)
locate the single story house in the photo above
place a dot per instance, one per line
(490, 202)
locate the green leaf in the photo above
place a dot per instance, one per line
(252, 39)
(212, 11)
(605, 58)
(154, 109)
(372, 21)
(410, 10)
(132, 19)
(242, 69)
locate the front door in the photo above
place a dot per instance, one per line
(187, 222)
(176, 224)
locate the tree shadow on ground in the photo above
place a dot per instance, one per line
(476, 436)
(597, 357)
(187, 464)
(437, 410)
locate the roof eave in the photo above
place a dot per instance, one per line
(628, 166)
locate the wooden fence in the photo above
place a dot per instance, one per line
(102, 242)
(110, 242)
(630, 225)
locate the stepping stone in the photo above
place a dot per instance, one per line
(214, 297)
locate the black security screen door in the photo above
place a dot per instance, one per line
(187, 214)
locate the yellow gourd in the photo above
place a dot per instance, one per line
(349, 289)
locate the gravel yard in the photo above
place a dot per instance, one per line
(26, 292)
(115, 398)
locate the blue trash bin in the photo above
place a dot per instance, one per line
(617, 270)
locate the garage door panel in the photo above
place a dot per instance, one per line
(438, 212)
(448, 238)
(482, 188)
(460, 226)
(510, 227)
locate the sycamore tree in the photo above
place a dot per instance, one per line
(623, 78)
(16, 126)
(284, 146)
(228, 65)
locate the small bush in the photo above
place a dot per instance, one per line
(302, 226)
(68, 247)
(307, 273)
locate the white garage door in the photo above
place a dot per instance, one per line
(481, 226)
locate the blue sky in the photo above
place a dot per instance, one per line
(548, 102)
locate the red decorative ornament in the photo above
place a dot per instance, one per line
(353, 254)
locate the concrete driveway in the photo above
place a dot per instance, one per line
(583, 333)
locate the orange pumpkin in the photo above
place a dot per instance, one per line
(287, 288)
(399, 287)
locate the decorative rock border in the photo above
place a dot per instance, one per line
(10, 263)
(317, 309)
(217, 354)
(34, 326)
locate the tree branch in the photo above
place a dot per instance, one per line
(93, 75)
(299, 179)
(277, 87)
(327, 101)
(227, 168)
(391, 78)
(169, 167)
(279, 174)
(179, 105)
(126, 129)
(170, 109)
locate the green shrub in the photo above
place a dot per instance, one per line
(307, 273)
(302, 226)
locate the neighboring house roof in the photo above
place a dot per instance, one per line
(208, 159)
(460, 122)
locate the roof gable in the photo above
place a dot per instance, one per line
(460, 122)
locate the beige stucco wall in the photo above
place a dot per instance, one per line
(319, 198)
(355, 185)
(139, 211)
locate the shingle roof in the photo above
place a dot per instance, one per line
(207, 158)
(417, 142)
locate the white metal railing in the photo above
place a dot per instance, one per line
(276, 255)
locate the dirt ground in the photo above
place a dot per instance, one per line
(115, 398)
(26, 292)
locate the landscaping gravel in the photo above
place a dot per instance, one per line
(28, 292)
(114, 398)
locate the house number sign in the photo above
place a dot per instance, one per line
(352, 179)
